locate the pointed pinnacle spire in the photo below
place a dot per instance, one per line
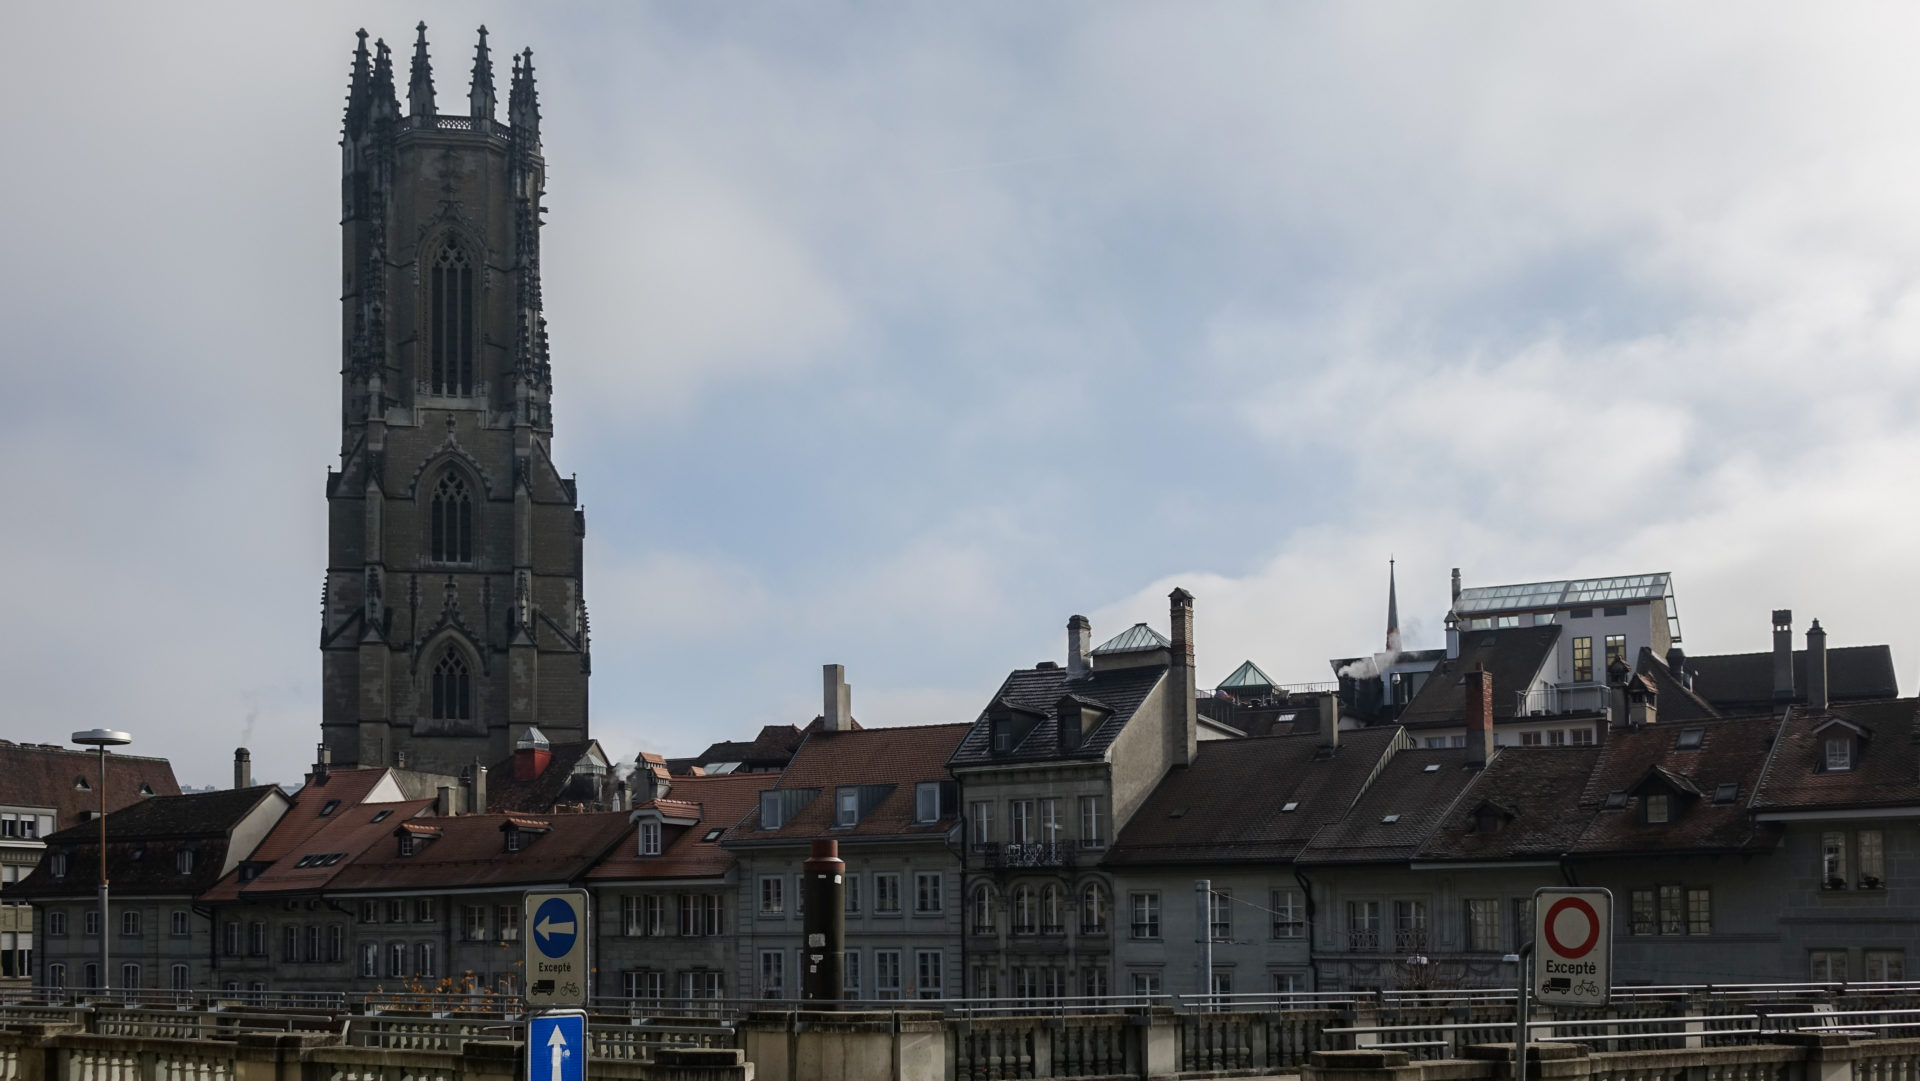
(1393, 610)
(523, 101)
(359, 89)
(480, 98)
(383, 95)
(420, 87)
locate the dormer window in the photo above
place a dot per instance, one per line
(57, 864)
(406, 845)
(649, 838)
(846, 808)
(183, 861)
(1839, 756)
(926, 801)
(146, 789)
(1002, 736)
(80, 784)
(1659, 808)
(513, 840)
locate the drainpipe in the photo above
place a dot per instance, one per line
(1566, 869)
(1313, 925)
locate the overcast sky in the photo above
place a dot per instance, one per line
(893, 334)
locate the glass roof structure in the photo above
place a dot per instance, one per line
(1132, 640)
(1579, 592)
(1248, 675)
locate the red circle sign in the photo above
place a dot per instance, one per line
(1593, 927)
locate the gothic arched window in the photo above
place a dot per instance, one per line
(450, 321)
(452, 687)
(451, 520)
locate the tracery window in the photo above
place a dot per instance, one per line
(452, 687)
(450, 519)
(450, 321)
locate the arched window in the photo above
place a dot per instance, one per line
(1050, 921)
(1025, 918)
(451, 517)
(452, 687)
(982, 910)
(450, 321)
(1093, 910)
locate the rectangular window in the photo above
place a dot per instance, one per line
(1051, 826)
(1363, 926)
(886, 893)
(1873, 865)
(930, 972)
(853, 895)
(1483, 924)
(1671, 921)
(1020, 822)
(986, 982)
(926, 801)
(1146, 915)
(1700, 912)
(1146, 984)
(313, 943)
(980, 822)
(982, 910)
(1529, 739)
(423, 910)
(650, 840)
(1829, 966)
(648, 984)
(927, 891)
(1409, 926)
(369, 960)
(180, 926)
(1582, 659)
(475, 923)
(846, 807)
(850, 974)
(57, 976)
(773, 973)
(773, 895)
(699, 983)
(1289, 913)
(1223, 980)
(1642, 913)
(336, 943)
(397, 959)
(396, 912)
(130, 923)
(90, 922)
(632, 918)
(1220, 915)
(1582, 737)
(886, 974)
(1557, 738)
(257, 938)
(1093, 981)
(129, 977)
(423, 959)
(1833, 860)
(1659, 808)
(1839, 754)
(1885, 966)
(57, 924)
(369, 912)
(183, 861)
(289, 943)
(1522, 923)
(230, 938)
(1288, 983)
(508, 918)
(1616, 649)
(1092, 826)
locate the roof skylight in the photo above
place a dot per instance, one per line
(1289, 807)
(1690, 739)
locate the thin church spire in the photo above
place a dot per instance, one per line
(480, 97)
(420, 87)
(1393, 610)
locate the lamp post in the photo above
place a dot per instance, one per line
(100, 739)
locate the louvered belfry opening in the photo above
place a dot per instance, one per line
(451, 317)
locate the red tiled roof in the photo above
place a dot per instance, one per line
(720, 801)
(471, 853)
(32, 775)
(1732, 750)
(899, 757)
(304, 818)
(347, 833)
(1885, 771)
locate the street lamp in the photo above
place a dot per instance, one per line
(100, 739)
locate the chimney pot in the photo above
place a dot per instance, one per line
(1817, 692)
(242, 768)
(1783, 655)
(1479, 702)
(1456, 583)
(1079, 647)
(1330, 718)
(1184, 710)
(836, 708)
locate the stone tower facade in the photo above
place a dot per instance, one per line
(452, 614)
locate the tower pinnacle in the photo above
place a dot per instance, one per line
(480, 98)
(1393, 610)
(360, 89)
(420, 87)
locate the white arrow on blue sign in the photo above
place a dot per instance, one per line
(554, 926)
(557, 943)
(557, 1046)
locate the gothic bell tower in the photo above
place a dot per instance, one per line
(452, 614)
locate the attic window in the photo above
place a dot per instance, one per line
(183, 861)
(1289, 807)
(1389, 819)
(382, 816)
(305, 861)
(1432, 768)
(1659, 808)
(1690, 739)
(1839, 756)
(406, 844)
(146, 789)
(1616, 800)
(1726, 792)
(57, 863)
(649, 838)
(513, 840)
(139, 851)
(712, 836)
(329, 807)
(80, 783)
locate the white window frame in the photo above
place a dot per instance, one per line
(773, 897)
(846, 808)
(1839, 756)
(181, 923)
(886, 893)
(930, 973)
(886, 974)
(773, 973)
(649, 837)
(926, 802)
(1090, 816)
(929, 893)
(980, 821)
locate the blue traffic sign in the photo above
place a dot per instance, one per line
(555, 926)
(557, 1047)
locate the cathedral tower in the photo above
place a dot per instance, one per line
(452, 614)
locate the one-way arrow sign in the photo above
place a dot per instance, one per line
(557, 966)
(557, 1046)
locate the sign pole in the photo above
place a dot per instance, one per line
(1523, 1008)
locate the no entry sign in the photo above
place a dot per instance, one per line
(1572, 946)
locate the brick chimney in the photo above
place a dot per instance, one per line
(1479, 696)
(1816, 667)
(1183, 710)
(1079, 647)
(242, 768)
(836, 706)
(1783, 654)
(531, 755)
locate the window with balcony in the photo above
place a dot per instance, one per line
(1020, 822)
(1483, 925)
(1409, 926)
(1092, 822)
(1052, 829)
(1363, 926)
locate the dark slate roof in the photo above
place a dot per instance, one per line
(554, 787)
(1732, 750)
(38, 775)
(143, 841)
(1227, 806)
(1525, 790)
(1678, 702)
(1040, 690)
(1886, 769)
(1743, 682)
(772, 748)
(1514, 657)
(1407, 788)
